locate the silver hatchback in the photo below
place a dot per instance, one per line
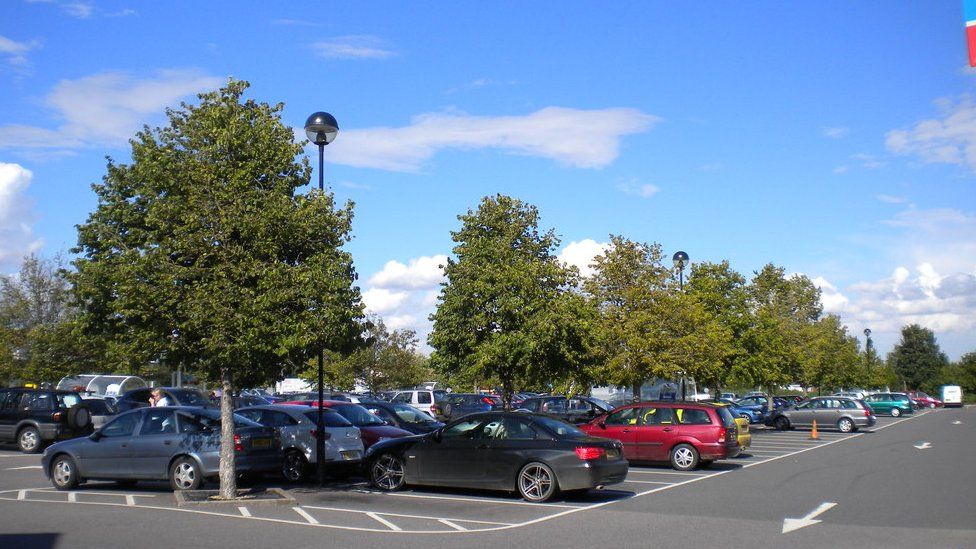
(845, 413)
(297, 428)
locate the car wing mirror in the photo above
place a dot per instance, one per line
(602, 424)
(437, 435)
(96, 436)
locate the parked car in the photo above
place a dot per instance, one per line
(102, 408)
(743, 436)
(752, 414)
(728, 396)
(176, 396)
(35, 417)
(535, 455)
(685, 434)
(791, 399)
(181, 444)
(427, 401)
(458, 405)
(847, 414)
(574, 410)
(923, 400)
(893, 404)
(372, 429)
(952, 396)
(297, 429)
(241, 401)
(403, 416)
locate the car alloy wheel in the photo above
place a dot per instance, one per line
(895, 412)
(64, 476)
(184, 475)
(536, 482)
(845, 425)
(294, 465)
(29, 440)
(782, 423)
(387, 472)
(684, 457)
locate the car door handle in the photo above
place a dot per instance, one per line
(482, 447)
(167, 442)
(666, 429)
(625, 431)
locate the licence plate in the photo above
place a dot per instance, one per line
(613, 453)
(261, 443)
(350, 454)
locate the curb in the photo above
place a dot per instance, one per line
(200, 498)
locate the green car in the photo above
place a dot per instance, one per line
(894, 404)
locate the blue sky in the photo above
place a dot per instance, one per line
(837, 139)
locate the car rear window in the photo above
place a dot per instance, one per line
(68, 400)
(357, 415)
(329, 418)
(189, 397)
(560, 427)
(728, 420)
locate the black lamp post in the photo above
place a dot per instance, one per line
(680, 260)
(321, 129)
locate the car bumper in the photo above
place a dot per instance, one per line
(719, 451)
(257, 464)
(590, 474)
(745, 441)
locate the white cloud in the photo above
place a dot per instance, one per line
(943, 237)
(581, 254)
(421, 273)
(15, 52)
(840, 170)
(947, 139)
(835, 132)
(892, 199)
(579, 138)
(16, 218)
(381, 300)
(868, 161)
(106, 108)
(353, 47)
(81, 10)
(643, 190)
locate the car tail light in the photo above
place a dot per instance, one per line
(238, 446)
(721, 434)
(487, 401)
(867, 412)
(56, 416)
(326, 436)
(586, 453)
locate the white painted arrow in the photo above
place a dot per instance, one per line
(957, 422)
(790, 524)
(924, 446)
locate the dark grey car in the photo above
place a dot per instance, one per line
(844, 413)
(181, 444)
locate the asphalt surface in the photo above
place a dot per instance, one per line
(880, 487)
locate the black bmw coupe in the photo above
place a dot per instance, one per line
(535, 455)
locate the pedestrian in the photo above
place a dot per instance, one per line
(157, 398)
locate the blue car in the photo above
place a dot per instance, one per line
(753, 413)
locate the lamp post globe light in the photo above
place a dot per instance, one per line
(321, 129)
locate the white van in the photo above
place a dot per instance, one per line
(952, 396)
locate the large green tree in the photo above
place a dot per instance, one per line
(201, 250)
(723, 293)
(506, 314)
(917, 358)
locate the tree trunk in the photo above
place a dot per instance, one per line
(636, 391)
(228, 469)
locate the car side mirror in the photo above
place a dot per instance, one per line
(96, 436)
(602, 424)
(437, 435)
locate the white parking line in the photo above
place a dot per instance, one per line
(482, 500)
(648, 472)
(244, 511)
(360, 511)
(384, 522)
(130, 501)
(72, 497)
(306, 516)
(22, 494)
(24, 467)
(646, 482)
(452, 525)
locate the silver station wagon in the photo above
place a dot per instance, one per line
(845, 413)
(179, 444)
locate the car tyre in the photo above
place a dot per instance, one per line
(29, 440)
(446, 410)
(294, 466)
(846, 425)
(79, 417)
(895, 412)
(746, 417)
(931, 405)
(386, 472)
(782, 423)
(64, 474)
(185, 474)
(684, 457)
(537, 482)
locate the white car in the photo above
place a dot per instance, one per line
(296, 425)
(422, 399)
(951, 396)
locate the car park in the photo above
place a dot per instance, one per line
(35, 417)
(923, 400)
(425, 400)
(175, 396)
(574, 410)
(893, 404)
(297, 430)
(404, 416)
(845, 413)
(372, 429)
(179, 444)
(532, 454)
(458, 405)
(685, 434)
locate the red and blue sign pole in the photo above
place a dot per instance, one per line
(969, 10)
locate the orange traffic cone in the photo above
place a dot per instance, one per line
(813, 432)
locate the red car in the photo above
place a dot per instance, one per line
(685, 434)
(372, 428)
(923, 400)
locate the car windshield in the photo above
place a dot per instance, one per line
(602, 404)
(330, 418)
(410, 414)
(440, 395)
(561, 428)
(189, 397)
(358, 416)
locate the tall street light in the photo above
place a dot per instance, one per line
(680, 260)
(321, 129)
